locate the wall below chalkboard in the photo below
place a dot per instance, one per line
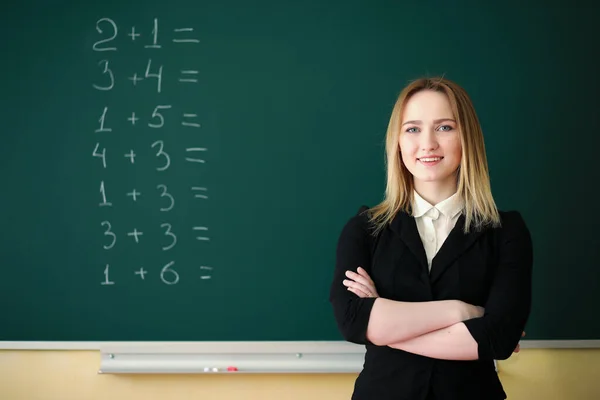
(42, 375)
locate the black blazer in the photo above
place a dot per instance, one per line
(491, 268)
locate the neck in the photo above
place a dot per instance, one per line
(435, 192)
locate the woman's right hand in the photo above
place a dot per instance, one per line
(469, 311)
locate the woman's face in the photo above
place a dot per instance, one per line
(430, 140)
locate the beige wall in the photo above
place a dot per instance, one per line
(72, 375)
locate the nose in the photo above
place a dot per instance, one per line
(428, 140)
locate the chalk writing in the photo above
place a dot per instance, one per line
(100, 31)
(111, 77)
(121, 137)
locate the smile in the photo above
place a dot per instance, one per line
(429, 161)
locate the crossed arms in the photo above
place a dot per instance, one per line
(448, 329)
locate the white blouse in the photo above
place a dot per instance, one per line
(435, 222)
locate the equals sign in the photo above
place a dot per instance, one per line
(188, 75)
(198, 195)
(204, 229)
(205, 268)
(193, 149)
(187, 40)
(192, 124)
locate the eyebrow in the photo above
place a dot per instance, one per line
(437, 121)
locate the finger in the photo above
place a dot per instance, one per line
(523, 334)
(358, 293)
(358, 278)
(518, 348)
(362, 272)
(356, 285)
(359, 286)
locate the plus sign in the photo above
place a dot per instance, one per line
(131, 156)
(135, 234)
(135, 79)
(134, 194)
(133, 34)
(142, 272)
(133, 118)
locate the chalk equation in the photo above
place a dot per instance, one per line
(157, 117)
(108, 30)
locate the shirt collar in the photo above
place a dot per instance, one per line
(450, 207)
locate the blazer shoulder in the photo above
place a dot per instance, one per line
(361, 219)
(359, 224)
(512, 219)
(513, 225)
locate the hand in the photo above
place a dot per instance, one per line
(360, 283)
(469, 311)
(518, 348)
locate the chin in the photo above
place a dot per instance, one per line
(435, 178)
(430, 179)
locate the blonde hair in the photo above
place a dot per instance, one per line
(473, 177)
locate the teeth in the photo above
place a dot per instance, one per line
(430, 159)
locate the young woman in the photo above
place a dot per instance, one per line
(435, 281)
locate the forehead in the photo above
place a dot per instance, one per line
(427, 105)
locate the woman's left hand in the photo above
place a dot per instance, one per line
(518, 348)
(360, 283)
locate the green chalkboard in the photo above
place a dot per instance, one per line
(181, 170)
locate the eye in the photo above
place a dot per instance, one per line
(445, 128)
(412, 130)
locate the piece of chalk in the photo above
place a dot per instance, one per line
(232, 369)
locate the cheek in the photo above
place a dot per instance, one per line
(458, 151)
(455, 149)
(406, 149)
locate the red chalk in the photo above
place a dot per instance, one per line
(232, 369)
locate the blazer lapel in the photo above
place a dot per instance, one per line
(406, 227)
(457, 243)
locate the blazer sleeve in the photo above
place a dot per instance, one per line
(508, 306)
(353, 250)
